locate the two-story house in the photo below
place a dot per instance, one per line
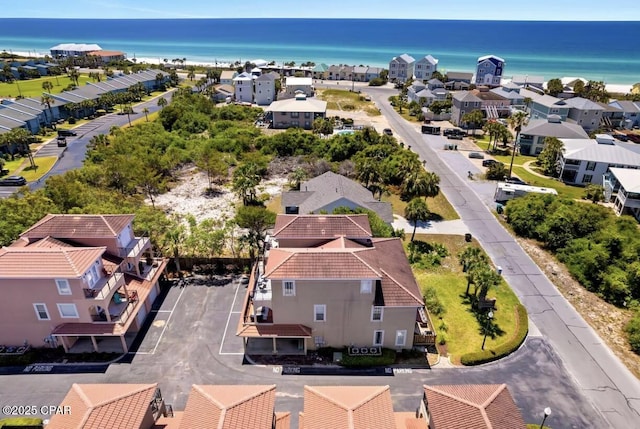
(630, 112)
(493, 104)
(327, 282)
(511, 92)
(299, 111)
(243, 84)
(585, 161)
(457, 81)
(489, 70)
(320, 71)
(360, 73)
(543, 105)
(297, 85)
(531, 140)
(77, 279)
(226, 77)
(622, 187)
(373, 72)
(425, 67)
(584, 112)
(401, 68)
(463, 102)
(264, 88)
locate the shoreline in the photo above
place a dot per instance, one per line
(618, 88)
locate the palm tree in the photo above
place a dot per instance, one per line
(473, 118)
(296, 177)
(420, 183)
(486, 279)
(47, 86)
(191, 73)
(174, 238)
(416, 211)
(517, 121)
(162, 102)
(47, 100)
(74, 75)
(146, 113)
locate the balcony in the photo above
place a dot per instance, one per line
(104, 286)
(119, 309)
(146, 270)
(135, 248)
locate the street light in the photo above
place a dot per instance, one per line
(486, 327)
(547, 413)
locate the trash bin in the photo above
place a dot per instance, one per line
(499, 269)
(467, 237)
(499, 208)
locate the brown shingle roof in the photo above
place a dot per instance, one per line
(229, 407)
(348, 407)
(282, 330)
(99, 406)
(481, 406)
(78, 226)
(47, 262)
(322, 226)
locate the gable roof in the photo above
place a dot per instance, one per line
(627, 106)
(47, 262)
(322, 226)
(548, 101)
(404, 58)
(494, 59)
(429, 59)
(591, 150)
(317, 193)
(347, 407)
(322, 67)
(479, 406)
(628, 178)
(551, 128)
(74, 226)
(229, 407)
(455, 75)
(98, 406)
(583, 104)
(466, 96)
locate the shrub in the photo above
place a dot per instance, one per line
(433, 303)
(377, 81)
(633, 332)
(504, 349)
(388, 357)
(71, 120)
(442, 338)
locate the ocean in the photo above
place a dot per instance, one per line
(606, 51)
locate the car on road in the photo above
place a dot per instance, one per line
(515, 181)
(13, 181)
(490, 162)
(454, 133)
(387, 131)
(476, 155)
(67, 133)
(62, 141)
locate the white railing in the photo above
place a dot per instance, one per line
(111, 283)
(140, 244)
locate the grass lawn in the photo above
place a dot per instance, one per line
(439, 206)
(565, 191)
(23, 168)
(152, 117)
(517, 160)
(464, 331)
(33, 87)
(274, 204)
(341, 99)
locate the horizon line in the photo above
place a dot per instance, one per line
(321, 19)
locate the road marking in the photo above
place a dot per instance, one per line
(166, 323)
(160, 311)
(224, 335)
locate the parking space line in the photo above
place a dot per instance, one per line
(167, 321)
(160, 311)
(229, 320)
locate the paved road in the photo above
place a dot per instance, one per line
(608, 384)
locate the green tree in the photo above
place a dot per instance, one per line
(256, 220)
(322, 126)
(174, 239)
(632, 330)
(296, 177)
(47, 86)
(146, 113)
(497, 171)
(473, 119)
(554, 87)
(191, 73)
(485, 278)
(551, 152)
(517, 121)
(245, 180)
(47, 101)
(416, 211)
(379, 228)
(420, 183)
(578, 88)
(596, 91)
(594, 193)
(162, 102)
(211, 162)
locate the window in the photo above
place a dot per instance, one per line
(319, 313)
(591, 165)
(63, 287)
(289, 288)
(307, 114)
(401, 338)
(366, 286)
(377, 313)
(41, 311)
(68, 311)
(378, 338)
(587, 178)
(295, 114)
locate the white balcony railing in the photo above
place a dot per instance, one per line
(103, 288)
(136, 246)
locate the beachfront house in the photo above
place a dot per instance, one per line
(526, 81)
(320, 71)
(424, 67)
(622, 187)
(585, 161)
(463, 102)
(324, 193)
(493, 105)
(67, 50)
(489, 71)
(105, 57)
(401, 68)
(83, 282)
(327, 282)
(243, 84)
(226, 77)
(298, 111)
(456, 81)
(265, 88)
(531, 140)
(584, 112)
(630, 112)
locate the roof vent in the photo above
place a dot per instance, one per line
(605, 139)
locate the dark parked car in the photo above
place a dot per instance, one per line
(387, 131)
(490, 162)
(454, 133)
(67, 133)
(476, 155)
(515, 181)
(62, 141)
(430, 129)
(13, 181)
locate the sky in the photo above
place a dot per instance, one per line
(540, 10)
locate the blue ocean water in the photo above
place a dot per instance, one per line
(606, 51)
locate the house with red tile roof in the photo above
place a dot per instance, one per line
(113, 406)
(480, 406)
(233, 406)
(74, 280)
(325, 281)
(354, 407)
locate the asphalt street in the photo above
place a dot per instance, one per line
(603, 379)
